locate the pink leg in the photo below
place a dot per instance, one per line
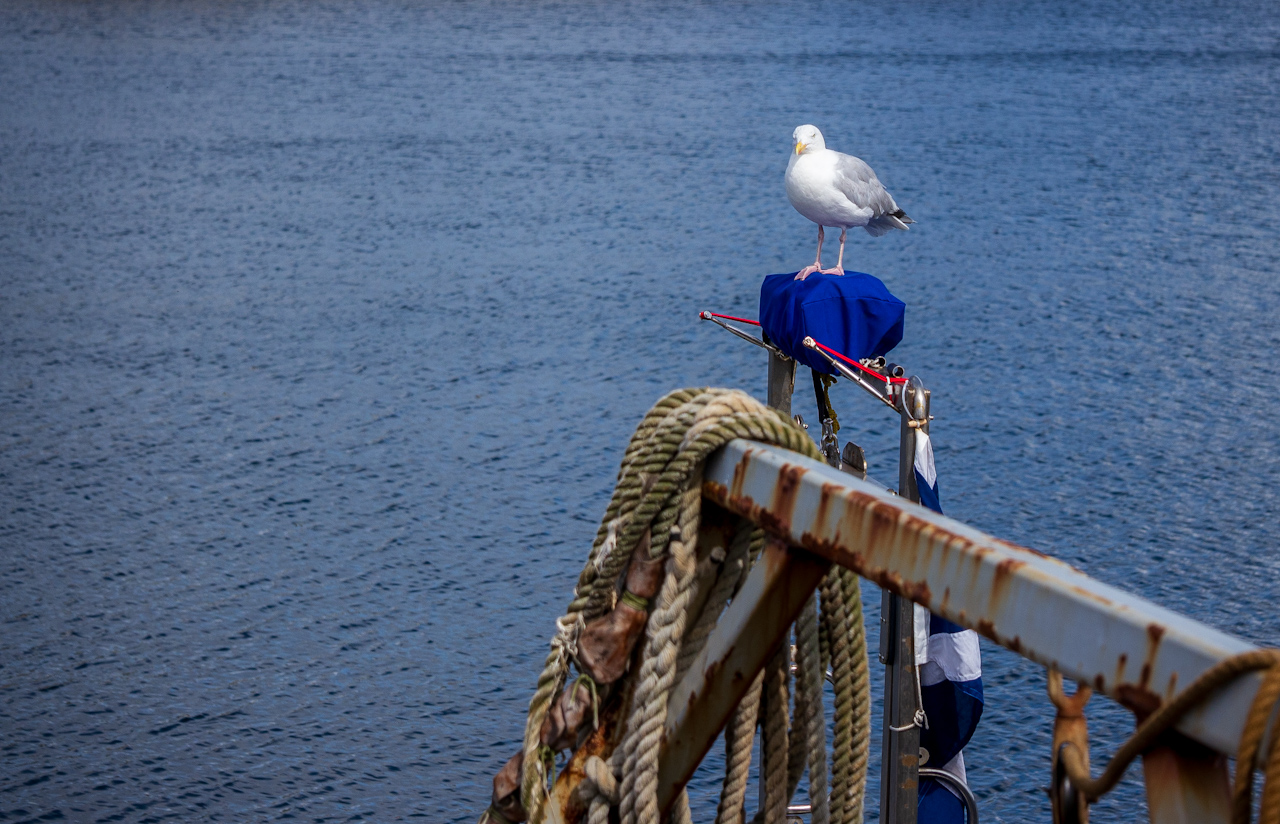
(839, 270)
(817, 261)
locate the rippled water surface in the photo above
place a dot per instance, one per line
(323, 326)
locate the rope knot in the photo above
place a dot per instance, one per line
(599, 781)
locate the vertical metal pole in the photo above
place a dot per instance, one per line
(782, 385)
(900, 752)
(782, 382)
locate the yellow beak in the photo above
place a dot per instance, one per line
(800, 147)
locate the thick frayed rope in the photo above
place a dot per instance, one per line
(658, 492)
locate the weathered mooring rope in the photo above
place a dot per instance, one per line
(1253, 755)
(653, 517)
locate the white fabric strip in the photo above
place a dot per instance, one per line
(953, 656)
(924, 458)
(921, 621)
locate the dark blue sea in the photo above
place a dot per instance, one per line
(323, 326)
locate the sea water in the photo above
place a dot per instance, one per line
(323, 326)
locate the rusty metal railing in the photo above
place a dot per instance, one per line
(1124, 646)
(1040, 608)
(1121, 645)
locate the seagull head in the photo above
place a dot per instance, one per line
(807, 138)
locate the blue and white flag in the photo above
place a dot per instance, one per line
(950, 666)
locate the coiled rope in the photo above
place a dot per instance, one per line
(658, 494)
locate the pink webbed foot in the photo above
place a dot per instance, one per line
(806, 271)
(837, 270)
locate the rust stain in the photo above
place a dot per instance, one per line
(889, 579)
(783, 504)
(836, 552)
(767, 520)
(745, 506)
(774, 557)
(1092, 596)
(1099, 683)
(573, 810)
(1140, 700)
(740, 473)
(1121, 663)
(976, 557)
(987, 629)
(601, 741)
(1155, 633)
(709, 676)
(1000, 580)
(1021, 548)
(918, 592)
(1015, 644)
(881, 530)
(851, 519)
(829, 491)
(717, 529)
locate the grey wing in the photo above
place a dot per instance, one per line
(859, 183)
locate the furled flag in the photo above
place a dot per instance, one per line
(950, 667)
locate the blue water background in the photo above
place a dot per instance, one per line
(323, 326)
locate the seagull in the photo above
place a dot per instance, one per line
(834, 189)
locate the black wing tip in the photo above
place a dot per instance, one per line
(901, 215)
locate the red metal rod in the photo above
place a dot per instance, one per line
(731, 317)
(854, 363)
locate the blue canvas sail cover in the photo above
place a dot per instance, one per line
(853, 314)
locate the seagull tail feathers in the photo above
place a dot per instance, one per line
(893, 220)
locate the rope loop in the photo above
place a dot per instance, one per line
(583, 678)
(1251, 757)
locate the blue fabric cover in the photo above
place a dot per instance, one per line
(937, 805)
(853, 314)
